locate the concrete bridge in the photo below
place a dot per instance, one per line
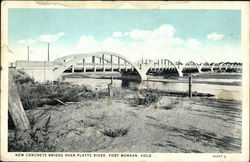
(167, 66)
(114, 62)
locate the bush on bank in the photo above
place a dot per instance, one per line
(143, 97)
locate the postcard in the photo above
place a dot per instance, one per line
(124, 81)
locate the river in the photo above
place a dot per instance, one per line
(223, 86)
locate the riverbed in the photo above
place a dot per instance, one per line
(222, 86)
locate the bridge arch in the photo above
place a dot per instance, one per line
(163, 64)
(214, 66)
(100, 55)
(190, 66)
(222, 66)
(229, 66)
(204, 64)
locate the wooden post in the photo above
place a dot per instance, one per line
(190, 86)
(111, 60)
(103, 62)
(16, 108)
(84, 65)
(93, 61)
(112, 81)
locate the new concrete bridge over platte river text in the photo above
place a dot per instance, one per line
(111, 62)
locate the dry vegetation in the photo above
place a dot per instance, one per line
(34, 94)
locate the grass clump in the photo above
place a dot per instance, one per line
(114, 132)
(144, 97)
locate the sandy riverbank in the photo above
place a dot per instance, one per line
(115, 125)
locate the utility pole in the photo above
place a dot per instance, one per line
(48, 51)
(142, 58)
(28, 53)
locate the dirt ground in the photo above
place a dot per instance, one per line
(171, 125)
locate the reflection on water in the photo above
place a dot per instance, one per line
(229, 91)
(220, 91)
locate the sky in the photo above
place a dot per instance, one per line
(178, 35)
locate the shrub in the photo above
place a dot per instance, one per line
(22, 77)
(144, 97)
(34, 94)
(115, 132)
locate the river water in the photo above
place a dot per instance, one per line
(223, 87)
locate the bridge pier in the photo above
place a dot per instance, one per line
(199, 70)
(180, 73)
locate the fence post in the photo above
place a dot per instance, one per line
(16, 108)
(112, 82)
(190, 86)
